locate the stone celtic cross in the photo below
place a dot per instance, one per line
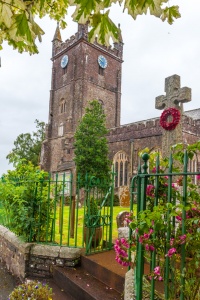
(175, 97)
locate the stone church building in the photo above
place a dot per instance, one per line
(83, 71)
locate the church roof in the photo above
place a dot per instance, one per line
(194, 114)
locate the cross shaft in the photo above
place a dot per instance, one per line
(175, 95)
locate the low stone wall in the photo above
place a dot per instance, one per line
(31, 259)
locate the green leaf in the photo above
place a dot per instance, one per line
(37, 31)
(133, 225)
(6, 15)
(20, 4)
(170, 13)
(18, 26)
(103, 29)
(84, 8)
(135, 7)
(155, 7)
(23, 26)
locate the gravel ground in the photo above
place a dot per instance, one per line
(7, 282)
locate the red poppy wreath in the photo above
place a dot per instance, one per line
(175, 113)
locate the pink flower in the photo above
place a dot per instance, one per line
(150, 277)
(160, 278)
(146, 236)
(150, 190)
(174, 185)
(157, 270)
(150, 231)
(171, 241)
(153, 170)
(141, 239)
(178, 218)
(171, 252)
(198, 176)
(182, 238)
(127, 220)
(151, 248)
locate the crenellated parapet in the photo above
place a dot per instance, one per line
(59, 46)
(150, 128)
(191, 126)
(135, 130)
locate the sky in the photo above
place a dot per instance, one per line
(153, 50)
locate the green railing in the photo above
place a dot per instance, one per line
(166, 232)
(46, 211)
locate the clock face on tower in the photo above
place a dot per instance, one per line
(64, 61)
(102, 61)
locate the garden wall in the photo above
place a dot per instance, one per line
(31, 259)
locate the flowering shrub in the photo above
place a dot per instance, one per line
(121, 249)
(32, 290)
(168, 230)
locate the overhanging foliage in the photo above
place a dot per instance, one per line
(18, 26)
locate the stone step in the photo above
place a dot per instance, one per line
(58, 293)
(82, 285)
(104, 267)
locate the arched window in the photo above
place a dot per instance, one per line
(126, 173)
(193, 167)
(62, 106)
(116, 173)
(101, 103)
(120, 162)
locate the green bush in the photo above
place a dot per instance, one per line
(25, 202)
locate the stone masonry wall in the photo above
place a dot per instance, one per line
(33, 260)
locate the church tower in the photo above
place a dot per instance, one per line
(81, 72)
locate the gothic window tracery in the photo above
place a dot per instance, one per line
(62, 106)
(193, 167)
(120, 162)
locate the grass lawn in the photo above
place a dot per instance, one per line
(63, 237)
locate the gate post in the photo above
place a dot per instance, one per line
(141, 202)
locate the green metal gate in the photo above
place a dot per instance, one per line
(98, 214)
